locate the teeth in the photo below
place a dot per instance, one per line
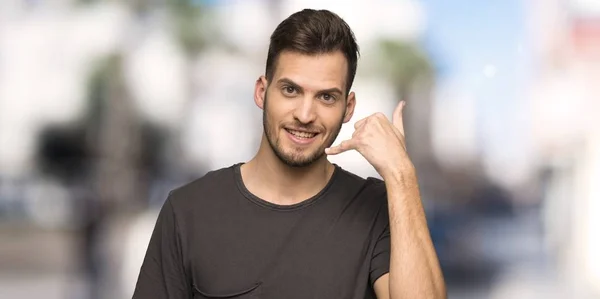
(302, 134)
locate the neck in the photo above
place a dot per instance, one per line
(269, 178)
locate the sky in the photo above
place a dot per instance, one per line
(481, 47)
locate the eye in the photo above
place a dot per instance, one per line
(289, 90)
(327, 97)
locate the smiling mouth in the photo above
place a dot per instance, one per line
(301, 134)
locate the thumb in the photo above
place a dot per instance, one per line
(346, 145)
(397, 120)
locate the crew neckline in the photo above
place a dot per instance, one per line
(269, 205)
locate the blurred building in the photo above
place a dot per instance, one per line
(71, 70)
(566, 131)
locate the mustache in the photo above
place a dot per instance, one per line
(304, 127)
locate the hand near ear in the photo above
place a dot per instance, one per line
(380, 141)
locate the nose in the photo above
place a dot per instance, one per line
(305, 111)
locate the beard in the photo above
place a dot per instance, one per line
(296, 157)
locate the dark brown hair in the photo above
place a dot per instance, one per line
(314, 32)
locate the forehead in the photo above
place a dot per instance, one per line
(321, 71)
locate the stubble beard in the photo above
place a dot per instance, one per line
(296, 158)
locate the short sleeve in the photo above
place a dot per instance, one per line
(380, 259)
(162, 273)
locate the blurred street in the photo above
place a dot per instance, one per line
(41, 263)
(106, 106)
(37, 264)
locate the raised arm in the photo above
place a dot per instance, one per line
(414, 267)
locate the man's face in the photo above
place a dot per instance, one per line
(305, 105)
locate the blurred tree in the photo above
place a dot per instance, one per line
(190, 24)
(454, 196)
(125, 153)
(405, 64)
(101, 159)
(115, 134)
(111, 153)
(194, 27)
(119, 132)
(411, 74)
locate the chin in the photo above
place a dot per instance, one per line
(305, 158)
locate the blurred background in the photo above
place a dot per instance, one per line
(105, 106)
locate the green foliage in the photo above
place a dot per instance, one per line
(190, 24)
(403, 62)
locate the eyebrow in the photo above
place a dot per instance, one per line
(295, 85)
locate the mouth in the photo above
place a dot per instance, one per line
(301, 137)
(302, 134)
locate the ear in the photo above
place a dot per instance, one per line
(350, 104)
(260, 90)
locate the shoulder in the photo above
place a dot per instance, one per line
(206, 186)
(370, 188)
(366, 201)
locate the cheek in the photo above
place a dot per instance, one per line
(278, 113)
(333, 120)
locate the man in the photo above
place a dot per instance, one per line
(288, 223)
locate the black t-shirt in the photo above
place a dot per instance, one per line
(215, 239)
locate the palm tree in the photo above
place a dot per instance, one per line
(411, 74)
(192, 25)
(115, 134)
(405, 64)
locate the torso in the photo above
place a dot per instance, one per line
(236, 245)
